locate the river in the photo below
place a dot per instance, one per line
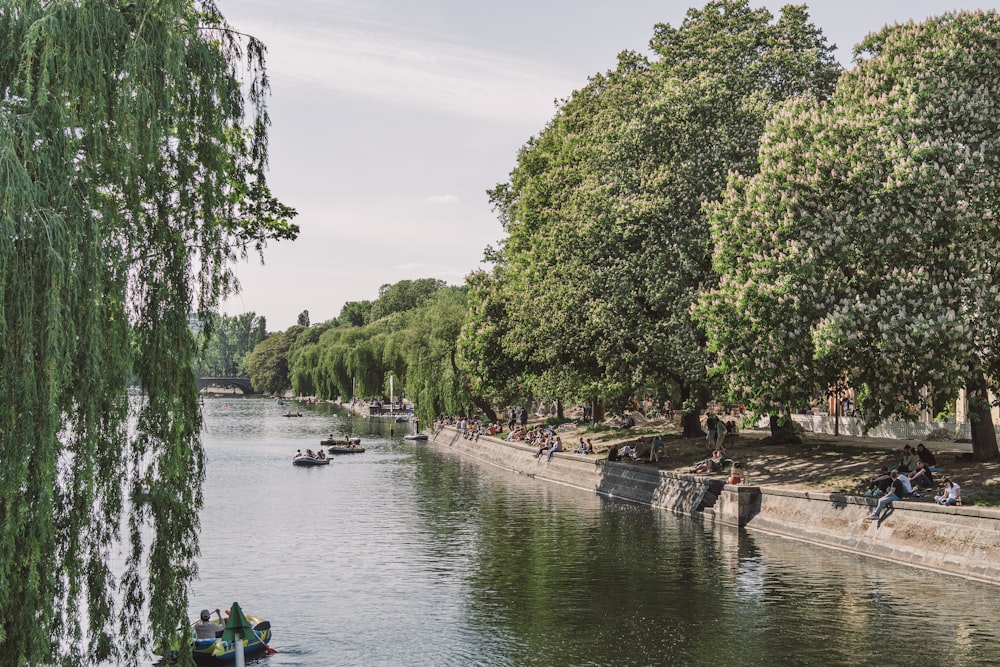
(410, 555)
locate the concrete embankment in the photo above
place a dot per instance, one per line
(962, 541)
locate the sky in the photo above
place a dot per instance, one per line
(392, 118)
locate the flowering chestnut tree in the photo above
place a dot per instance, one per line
(865, 252)
(608, 244)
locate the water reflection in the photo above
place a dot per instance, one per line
(410, 555)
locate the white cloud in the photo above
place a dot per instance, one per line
(389, 65)
(443, 199)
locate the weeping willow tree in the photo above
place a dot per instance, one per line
(133, 145)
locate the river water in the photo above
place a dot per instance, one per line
(410, 555)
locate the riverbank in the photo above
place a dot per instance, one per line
(822, 463)
(795, 491)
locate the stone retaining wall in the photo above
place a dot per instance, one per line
(645, 484)
(963, 541)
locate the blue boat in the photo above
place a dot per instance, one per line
(254, 634)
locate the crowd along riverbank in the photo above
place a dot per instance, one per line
(961, 541)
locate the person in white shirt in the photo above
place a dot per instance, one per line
(951, 494)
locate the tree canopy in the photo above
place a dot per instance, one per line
(415, 344)
(132, 173)
(228, 339)
(865, 252)
(608, 244)
(267, 363)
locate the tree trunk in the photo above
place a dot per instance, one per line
(984, 435)
(690, 423)
(598, 412)
(485, 408)
(559, 409)
(781, 434)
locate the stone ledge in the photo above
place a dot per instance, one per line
(962, 541)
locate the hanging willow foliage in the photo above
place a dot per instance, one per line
(132, 163)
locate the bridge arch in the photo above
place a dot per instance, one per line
(241, 383)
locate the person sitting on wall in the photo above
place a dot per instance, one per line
(613, 453)
(879, 483)
(555, 447)
(895, 493)
(736, 475)
(951, 494)
(543, 445)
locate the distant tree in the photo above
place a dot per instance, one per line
(354, 313)
(303, 319)
(866, 252)
(267, 364)
(133, 146)
(434, 380)
(229, 339)
(416, 347)
(402, 296)
(495, 367)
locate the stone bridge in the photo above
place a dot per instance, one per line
(242, 383)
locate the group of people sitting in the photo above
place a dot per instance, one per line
(310, 453)
(638, 450)
(470, 429)
(715, 464)
(549, 443)
(712, 464)
(914, 472)
(915, 468)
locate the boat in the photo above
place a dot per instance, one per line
(254, 634)
(292, 414)
(415, 436)
(346, 449)
(306, 460)
(342, 442)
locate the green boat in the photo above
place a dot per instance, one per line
(254, 634)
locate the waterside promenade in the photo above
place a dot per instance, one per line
(961, 541)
